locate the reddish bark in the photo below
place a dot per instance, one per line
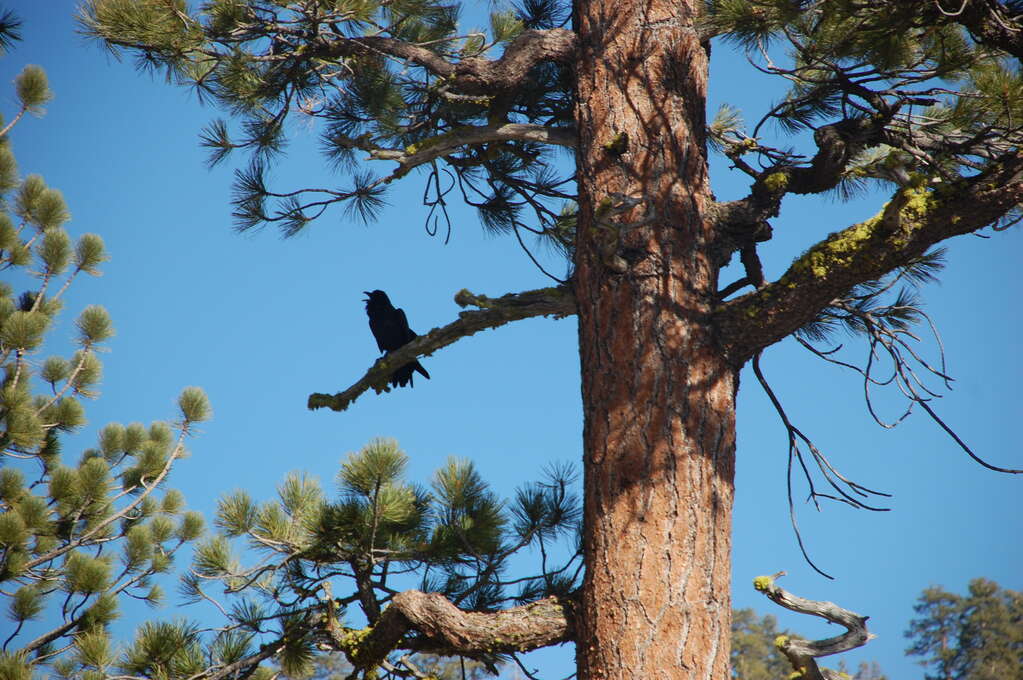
(658, 392)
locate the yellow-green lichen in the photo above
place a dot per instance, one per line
(837, 249)
(422, 144)
(618, 145)
(777, 181)
(795, 675)
(762, 583)
(351, 639)
(914, 204)
(918, 202)
(781, 641)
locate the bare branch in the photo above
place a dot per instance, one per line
(558, 302)
(803, 654)
(849, 492)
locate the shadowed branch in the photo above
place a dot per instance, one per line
(441, 145)
(471, 76)
(444, 628)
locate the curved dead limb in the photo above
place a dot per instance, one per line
(558, 302)
(439, 626)
(803, 654)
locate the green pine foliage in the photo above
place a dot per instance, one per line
(977, 636)
(754, 654)
(270, 564)
(240, 56)
(919, 104)
(80, 534)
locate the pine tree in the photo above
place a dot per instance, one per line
(978, 636)
(754, 654)
(912, 100)
(453, 541)
(77, 537)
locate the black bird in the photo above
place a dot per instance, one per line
(390, 328)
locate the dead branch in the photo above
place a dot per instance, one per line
(848, 491)
(558, 302)
(803, 654)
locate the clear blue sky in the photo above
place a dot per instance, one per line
(260, 323)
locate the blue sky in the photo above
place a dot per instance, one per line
(260, 323)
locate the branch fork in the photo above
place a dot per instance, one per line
(803, 654)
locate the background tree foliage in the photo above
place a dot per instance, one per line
(77, 536)
(754, 654)
(977, 636)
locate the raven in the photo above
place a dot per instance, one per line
(390, 328)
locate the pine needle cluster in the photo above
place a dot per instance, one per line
(265, 61)
(76, 536)
(941, 102)
(378, 535)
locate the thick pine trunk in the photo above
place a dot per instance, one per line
(658, 394)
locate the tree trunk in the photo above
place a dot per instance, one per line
(658, 392)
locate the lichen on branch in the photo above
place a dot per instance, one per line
(916, 218)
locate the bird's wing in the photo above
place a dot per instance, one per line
(402, 326)
(379, 332)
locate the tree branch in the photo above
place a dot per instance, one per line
(990, 23)
(445, 628)
(916, 218)
(530, 48)
(744, 221)
(470, 76)
(432, 148)
(558, 302)
(802, 654)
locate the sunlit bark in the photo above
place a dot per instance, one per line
(658, 392)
